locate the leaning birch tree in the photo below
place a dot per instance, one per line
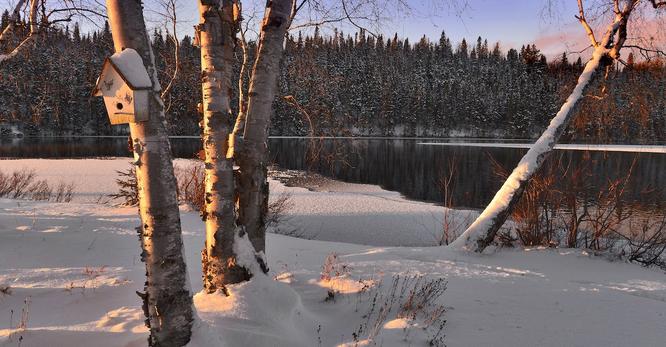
(167, 301)
(606, 50)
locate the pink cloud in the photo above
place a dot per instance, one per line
(573, 39)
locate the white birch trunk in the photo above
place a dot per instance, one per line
(9, 30)
(253, 159)
(216, 32)
(167, 300)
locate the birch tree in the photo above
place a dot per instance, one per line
(482, 232)
(216, 36)
(167, 300)
(253, 159)
(40, 17)
(8, 32)
(237, 207)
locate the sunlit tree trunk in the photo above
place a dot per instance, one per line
(8, 32)
(167, 300)
(482, 232)
(216, 33)
(253, 157)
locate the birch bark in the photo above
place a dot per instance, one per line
(253, 159)
(216, 32)
(9, 30)
(167, 300)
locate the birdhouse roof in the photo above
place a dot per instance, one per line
(129, 66)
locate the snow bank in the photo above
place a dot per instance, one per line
(350, 214)
(79, 265)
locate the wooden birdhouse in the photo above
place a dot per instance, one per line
(125, 85)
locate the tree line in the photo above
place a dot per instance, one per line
(340, 84)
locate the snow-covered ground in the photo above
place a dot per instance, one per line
(74, 269)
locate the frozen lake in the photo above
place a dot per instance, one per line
(409, 166)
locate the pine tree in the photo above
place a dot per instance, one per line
(4, 22)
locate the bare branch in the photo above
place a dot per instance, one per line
(171, 18)
(657, 4)
(583, 21)
(351, 20)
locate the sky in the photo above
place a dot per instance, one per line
(510, 22)
(550, 24)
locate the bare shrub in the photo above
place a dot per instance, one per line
(22, 323)
(645, 242)
(5, 184)
(5, 290)
(333, 267)
(535, 214)
(63, 192)
(576, 199)
(192, 185)
(19, 183)
(22, 184)
(278, 208)
(191, 189)
(413, 298)
(92, 273)
(452, 227)
(89, 282)
(581, 215)
(40, 190)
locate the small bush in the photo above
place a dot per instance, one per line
(19, 182)
(561, 207)
(278, 208)
(22, 184)
(191, 189)
(128, 191)
(413, 298)
(63, 192)
(333, 267)
(192, 185)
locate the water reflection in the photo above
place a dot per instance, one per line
(414, 170)
(84, 147)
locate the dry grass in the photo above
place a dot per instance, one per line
(412, 298)
(333, 267)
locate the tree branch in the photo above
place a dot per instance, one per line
(583, 22)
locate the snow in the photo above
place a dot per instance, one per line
(130, 65)
(531, 161)
(79, 265)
